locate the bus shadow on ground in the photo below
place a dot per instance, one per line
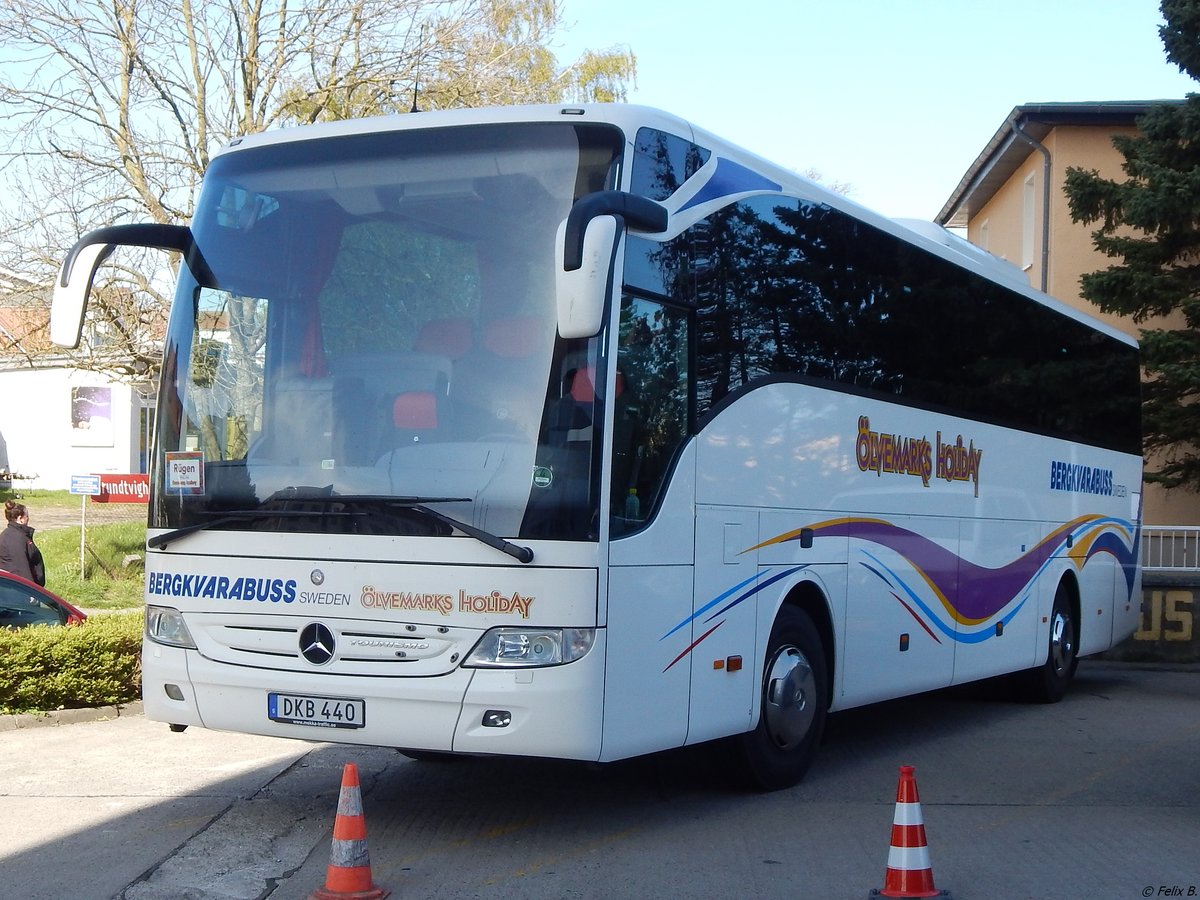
(873, 736)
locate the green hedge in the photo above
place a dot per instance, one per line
(49, 667)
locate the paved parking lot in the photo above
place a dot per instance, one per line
(1098, 796)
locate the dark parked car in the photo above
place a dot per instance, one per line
(24, 603)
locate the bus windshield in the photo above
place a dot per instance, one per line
(373, 337)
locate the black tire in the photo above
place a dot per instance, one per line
(793, 704)
(1048, 682)
(429, 756)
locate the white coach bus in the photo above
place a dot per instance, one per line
(579, 432)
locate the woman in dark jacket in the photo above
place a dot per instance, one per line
(18, 553)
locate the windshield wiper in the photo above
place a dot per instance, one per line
(517, 552)
(236, 515)
(324, 497)
(285, 495)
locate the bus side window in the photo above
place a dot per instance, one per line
(653, 365)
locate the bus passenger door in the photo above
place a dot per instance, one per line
(724, 624)
(652, 523)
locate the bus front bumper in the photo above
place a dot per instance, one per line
(552, 712)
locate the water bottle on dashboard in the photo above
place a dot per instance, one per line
(633, 507)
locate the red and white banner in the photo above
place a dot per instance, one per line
(123, 489)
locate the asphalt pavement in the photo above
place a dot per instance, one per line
(91, 802)
(1095, 797)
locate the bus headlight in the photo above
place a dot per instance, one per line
(166, 626)
(515, 647)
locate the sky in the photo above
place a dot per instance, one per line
(894, 98)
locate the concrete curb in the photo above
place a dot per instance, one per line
(68, 716)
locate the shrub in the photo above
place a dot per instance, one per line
(50, 667)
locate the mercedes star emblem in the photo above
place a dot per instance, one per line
(316, 644)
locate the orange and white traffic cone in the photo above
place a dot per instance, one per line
(909, 875)
(349, 874)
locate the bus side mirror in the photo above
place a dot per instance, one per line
(71, 290)
(74, 282)
(581, 291)
(584, 251)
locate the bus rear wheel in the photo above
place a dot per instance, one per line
(793, 704)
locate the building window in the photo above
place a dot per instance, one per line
(1028, 220)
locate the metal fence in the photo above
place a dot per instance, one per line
(1171, 548)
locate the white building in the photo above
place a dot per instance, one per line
(57, 421)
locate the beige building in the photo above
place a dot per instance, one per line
(1011, 203)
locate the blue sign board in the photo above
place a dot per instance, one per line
(85, 484)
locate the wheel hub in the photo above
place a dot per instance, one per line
(791, 698)
(1062, 642)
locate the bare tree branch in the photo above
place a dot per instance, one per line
(110, 110)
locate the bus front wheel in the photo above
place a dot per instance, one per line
(793, 703)
(1048, 682)
(435, 756)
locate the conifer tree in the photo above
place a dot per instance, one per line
(1149, 224)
